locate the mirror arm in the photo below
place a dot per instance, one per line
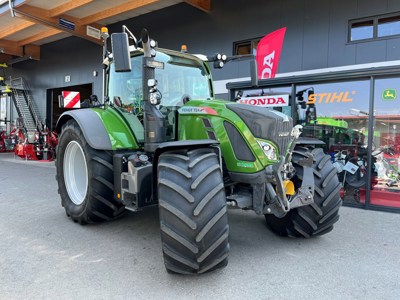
(105, 37)
(130, 34)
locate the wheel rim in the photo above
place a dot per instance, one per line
(75, 172)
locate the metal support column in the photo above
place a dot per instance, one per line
(371, 123)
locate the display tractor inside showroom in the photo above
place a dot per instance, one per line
(160, 138)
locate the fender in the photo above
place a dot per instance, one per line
(309, 141)
(103, 129)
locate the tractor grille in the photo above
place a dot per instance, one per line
(266, 124)
(242, 151)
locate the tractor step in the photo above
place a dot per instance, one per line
(133, 175)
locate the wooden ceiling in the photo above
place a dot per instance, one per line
(32, 23)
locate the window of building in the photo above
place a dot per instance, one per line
(337, 112)
(374, 27)
(362, 30)
(245, 47)
(389, 26)
(386, 143)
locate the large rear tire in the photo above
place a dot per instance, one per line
(319, 217)
(193, 213)
(85, 178)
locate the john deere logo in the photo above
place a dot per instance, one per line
(389, 94)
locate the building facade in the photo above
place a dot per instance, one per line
(343, 56)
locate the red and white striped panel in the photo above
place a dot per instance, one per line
(71, 99)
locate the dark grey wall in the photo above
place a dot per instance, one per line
(316, 37)
(73, 56)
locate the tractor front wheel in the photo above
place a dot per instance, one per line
(317, 218)
(85, 178)
(193, 213)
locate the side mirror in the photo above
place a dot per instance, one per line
(120, 49)
(358, 113)
(239, 95)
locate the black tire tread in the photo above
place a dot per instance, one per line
(318, 218)
(193, 213)
(99, 204)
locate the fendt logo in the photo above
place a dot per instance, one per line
(197, 110)
(266, 101)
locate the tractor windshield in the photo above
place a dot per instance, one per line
(181, 77)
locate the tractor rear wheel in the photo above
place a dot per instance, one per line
(85, 178)
(193, 213)
(319, 217)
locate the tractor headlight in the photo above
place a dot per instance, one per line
(269, 150)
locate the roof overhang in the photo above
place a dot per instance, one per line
(25, 25)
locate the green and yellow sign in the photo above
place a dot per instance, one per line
(389, 94)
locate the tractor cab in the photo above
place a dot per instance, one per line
(179, 79)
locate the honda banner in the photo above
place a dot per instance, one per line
(266, 101)
(268, 53)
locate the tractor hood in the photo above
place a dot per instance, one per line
(265, 124)
(239, 128)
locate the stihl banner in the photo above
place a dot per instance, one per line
(71, 99)
(266, 101)
(268, 53)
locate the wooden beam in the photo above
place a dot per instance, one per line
(42, 16)
(204, 5)
(5, 58)
(11, 48)
(14, 28)
(116, 10)
(40, 36)
(32, 51)
(63, 8)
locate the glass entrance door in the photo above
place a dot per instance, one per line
(385, 189)
(337, 114)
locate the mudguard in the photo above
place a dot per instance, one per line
(103, 129)
(309, 141)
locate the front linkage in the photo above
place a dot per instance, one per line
(273, 191)
(280, 174)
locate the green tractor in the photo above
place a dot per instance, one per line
(160, 138)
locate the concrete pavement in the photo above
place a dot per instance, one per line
(44, 255)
